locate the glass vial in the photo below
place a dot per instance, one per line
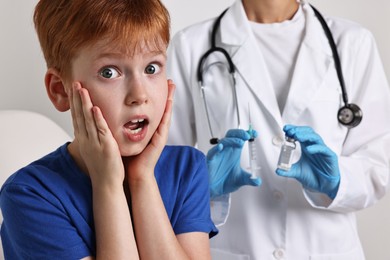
(286, 154)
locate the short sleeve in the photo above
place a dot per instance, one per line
(36, 226)
(195, 213)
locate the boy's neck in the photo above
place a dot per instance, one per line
(270, 11)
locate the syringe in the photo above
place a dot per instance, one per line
(254, 168)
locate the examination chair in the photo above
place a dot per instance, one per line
(24, 137)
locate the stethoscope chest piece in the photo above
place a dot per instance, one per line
(350, 115)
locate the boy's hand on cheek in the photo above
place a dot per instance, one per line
(98, 149)
(146, 161)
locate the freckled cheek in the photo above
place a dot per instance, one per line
(106, 107)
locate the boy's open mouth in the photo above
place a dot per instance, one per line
(135, 126)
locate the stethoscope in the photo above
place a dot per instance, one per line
(349, 115)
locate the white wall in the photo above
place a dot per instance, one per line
(22, 69)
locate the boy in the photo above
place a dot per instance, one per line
(115, 191)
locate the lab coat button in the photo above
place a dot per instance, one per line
(279, 253)
(278, 195)
(276, 140)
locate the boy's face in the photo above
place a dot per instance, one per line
(131, 91)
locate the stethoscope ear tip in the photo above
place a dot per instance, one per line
(214, 140)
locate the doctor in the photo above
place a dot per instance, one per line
(286, 84)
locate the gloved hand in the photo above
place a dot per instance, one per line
(318, 167)
(223, 161)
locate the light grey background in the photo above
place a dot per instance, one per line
(22, 69)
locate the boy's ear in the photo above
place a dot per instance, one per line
(56, 90)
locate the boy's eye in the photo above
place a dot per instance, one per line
(109, 73)
(152, 69)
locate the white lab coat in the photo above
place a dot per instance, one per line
(279, 219)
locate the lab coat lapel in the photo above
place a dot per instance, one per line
(236, 35)
(312, 65)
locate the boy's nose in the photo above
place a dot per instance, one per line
(136, 93)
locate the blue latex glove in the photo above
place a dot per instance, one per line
(223, 161)
(318, 167)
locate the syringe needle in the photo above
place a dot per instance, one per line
(252, 138)
(252, 148)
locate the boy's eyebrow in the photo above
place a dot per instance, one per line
(157, 53)
(108, 55)
(121, 54)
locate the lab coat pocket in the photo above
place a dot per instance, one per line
(328, 93)
(321, 114)
(218, 254)
(330, 88)
(355, 254)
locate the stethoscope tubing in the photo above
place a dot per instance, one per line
(349, 115)
(336, 57)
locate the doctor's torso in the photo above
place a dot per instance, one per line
(284, 223)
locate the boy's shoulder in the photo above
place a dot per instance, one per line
(181, 151)
(181, 160)
(49, 169)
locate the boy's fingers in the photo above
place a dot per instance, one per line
(72, 109)
(169, 105)
(78, 117)
(166, 118)
(171, 89)
(89, 121)
(161, 135)
(78, 109)
(101, 125)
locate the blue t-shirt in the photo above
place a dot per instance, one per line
(47, 205)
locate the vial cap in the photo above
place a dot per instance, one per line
(290, 139)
